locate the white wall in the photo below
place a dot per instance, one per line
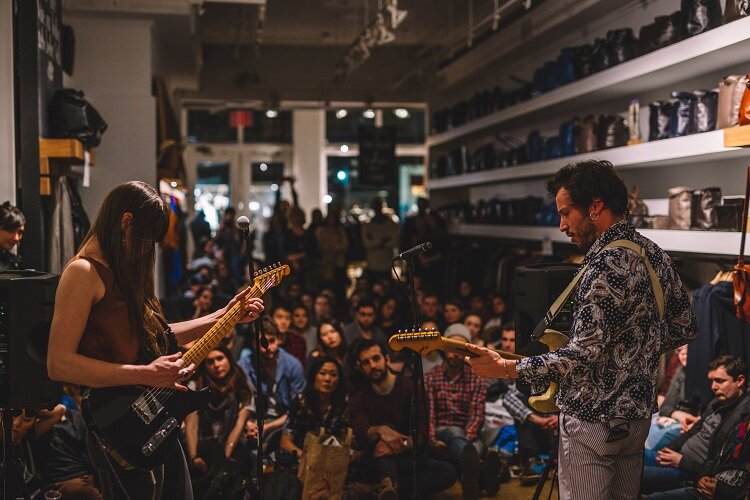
(7, 113)
(309, 164)
(113, 67)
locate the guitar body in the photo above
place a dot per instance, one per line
(137, 429)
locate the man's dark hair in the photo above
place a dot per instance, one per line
(588, 180)
(733, 365)
(366, 303)
(11, 217)
(430, 293)
(509, 325)
(268, 328)
(455, 302)
(281, 305)
(365, 344)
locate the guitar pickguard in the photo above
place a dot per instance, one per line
(158, 438)
(147, 406)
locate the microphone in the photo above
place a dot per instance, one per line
(243, 223)
(422, 247)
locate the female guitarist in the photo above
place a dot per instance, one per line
(108, 325)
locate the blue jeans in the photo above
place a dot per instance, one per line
(432, 475)
(658, 478)
(678, 494)
(455, 438)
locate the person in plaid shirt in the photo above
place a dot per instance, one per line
(455, 398)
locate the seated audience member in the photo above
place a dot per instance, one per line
(224, 282)
(330, 342)
(430, 360)
(692, 454)
(294, 344)
(388, 320)
(61, 457)
(321, 405)
(455, 400)
(429, 309)
(203, 303)
(499, 312)
(322, 309)
(535, 431)
(12, 225)
(363, 326)
(302, 328)
(380, 419)
(216, 433)
(453, 311)
(465, 291)
(282, 380)
(473, 322)
(478, 305)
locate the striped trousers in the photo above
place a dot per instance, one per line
(590, 468)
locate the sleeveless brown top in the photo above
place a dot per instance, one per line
(108, 335)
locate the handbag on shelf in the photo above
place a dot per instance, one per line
(71, 116)
(731, 89)
(703, 114)
(744, 115)
(704, 214)
(701, 16)
(741, 274)
(586, 133)
(680, 119)
(658, 121)
(736, 9)
(680, 207)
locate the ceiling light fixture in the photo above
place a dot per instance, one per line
(402, 113)
(344, 148)
(341, 113)
(369, 113)
(271, 113)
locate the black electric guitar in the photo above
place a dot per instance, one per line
(138, 425)
(426, 341)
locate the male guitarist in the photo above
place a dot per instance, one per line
(107, 319)
(607, 372)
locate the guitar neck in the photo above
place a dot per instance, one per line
(459, 347)
(211, 339)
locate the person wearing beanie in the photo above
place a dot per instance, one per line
(456, 397)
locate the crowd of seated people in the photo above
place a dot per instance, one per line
(326, 366)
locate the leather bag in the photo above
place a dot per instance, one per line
(680, 119)
(582, 61)
(613, 132)
(622, 45)
(731, 88)
(741, 274)
(736, 9)
(71, 116)
(658, 122)
(744, 114)
(680, 207)
(704, 215)
(703, 114)
(701, 16)
(586, 135)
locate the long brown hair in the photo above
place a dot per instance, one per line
(133, 268)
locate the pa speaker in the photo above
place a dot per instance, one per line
(27, 299)
(535, 288)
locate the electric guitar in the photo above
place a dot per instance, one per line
(426, 341)
(138, 425)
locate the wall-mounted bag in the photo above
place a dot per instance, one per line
(731, 88)
(680, 119)
(658, 122)
(704, 214)
(741, 275)
(680, 201)
(701, 16)
(703, 114)
(744, 115)
(71, 116)
(735, 9)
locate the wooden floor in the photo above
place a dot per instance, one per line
(508, 491)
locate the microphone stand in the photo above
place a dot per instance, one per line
(417, 377)
(260, 340)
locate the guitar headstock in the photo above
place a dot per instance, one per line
(420, 341)
(270, 276)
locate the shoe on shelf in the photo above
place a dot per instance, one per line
(470, 472)
(386, 490)
(531, 472)
(491, 468)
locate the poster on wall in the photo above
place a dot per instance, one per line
(49, 26)
(377, 156)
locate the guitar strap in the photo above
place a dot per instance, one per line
(557, 305)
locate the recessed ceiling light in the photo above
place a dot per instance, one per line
(401, 113)
(368, 113)
(341, 113)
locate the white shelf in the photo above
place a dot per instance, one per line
(697, 148)
(711, 51)
(708, 242)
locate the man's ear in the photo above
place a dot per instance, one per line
(741, 381)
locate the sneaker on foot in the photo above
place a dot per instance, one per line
(491, 469)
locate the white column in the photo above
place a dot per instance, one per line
(7, 112)
(309, 162)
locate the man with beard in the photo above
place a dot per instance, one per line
(455, 398)
(282, 379)
(630, 307)
(363, 326)
(379, 415)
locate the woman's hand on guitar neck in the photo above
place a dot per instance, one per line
(489, 363)
(253, 306)
(168, 372)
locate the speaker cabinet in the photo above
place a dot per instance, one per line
(27, 299)
(535, 288)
